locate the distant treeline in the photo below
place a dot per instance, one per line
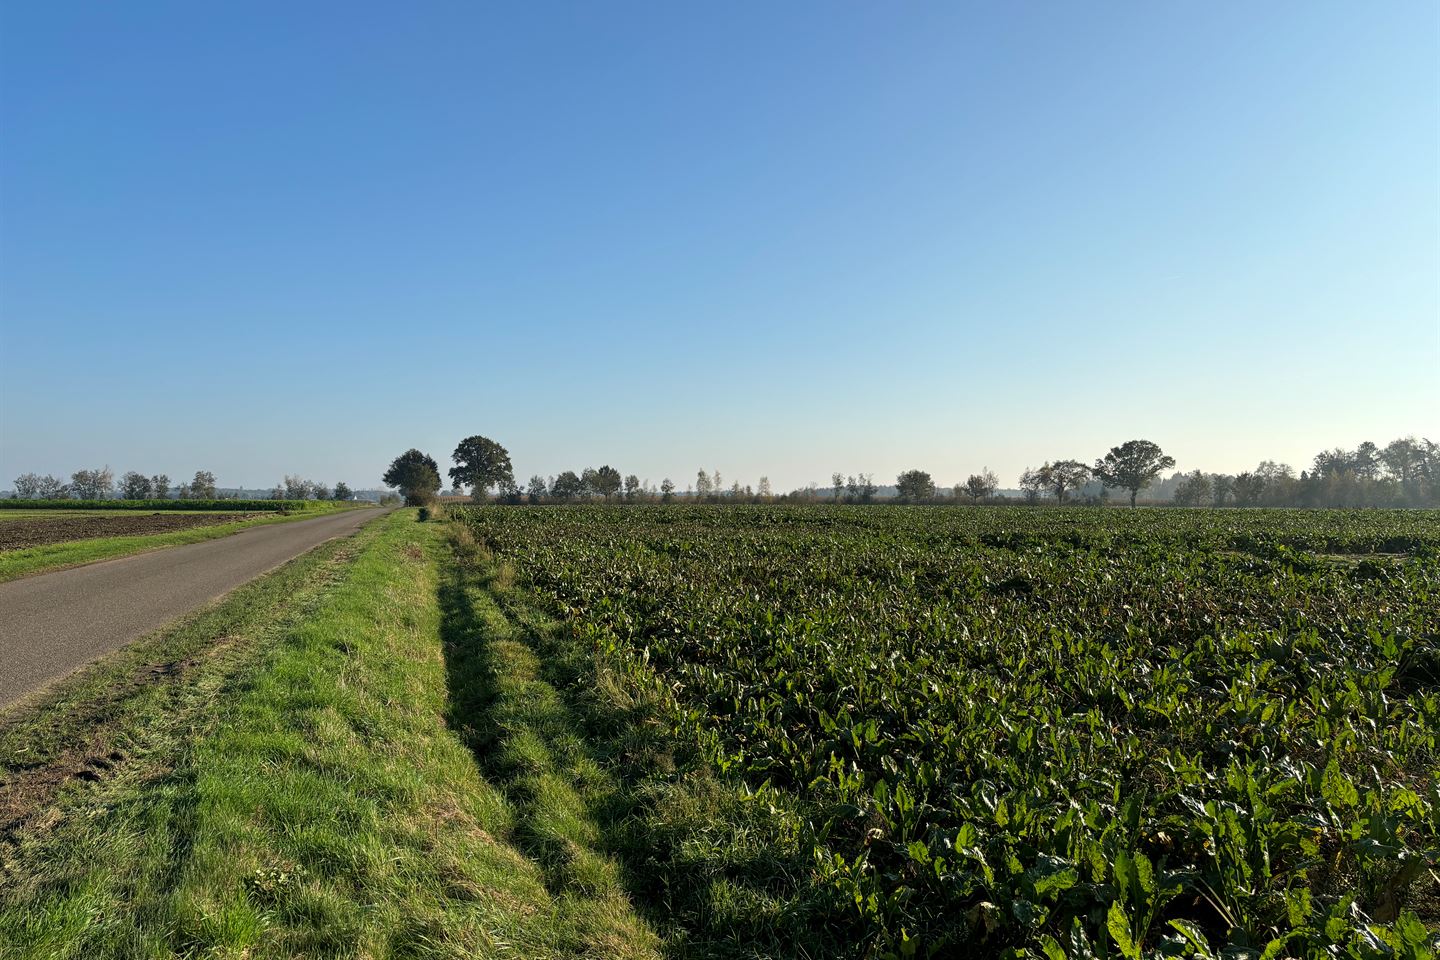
(100, 484)
(154, 504)
(1403, 473)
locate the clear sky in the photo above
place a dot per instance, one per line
(779, 239)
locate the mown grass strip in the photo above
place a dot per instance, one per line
(323, 808)
(582, 744)
(532, 747)
(58, 556)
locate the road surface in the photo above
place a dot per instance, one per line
(52, 623)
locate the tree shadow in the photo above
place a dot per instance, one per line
(744, 895)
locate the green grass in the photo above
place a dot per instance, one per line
(315, 802)
(73, 553)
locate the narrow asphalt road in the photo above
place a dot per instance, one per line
(52, 623)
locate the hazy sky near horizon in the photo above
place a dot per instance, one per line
(779, 239)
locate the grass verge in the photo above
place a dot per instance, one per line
(312, 801)
(74, 553)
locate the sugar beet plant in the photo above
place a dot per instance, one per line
(1050, 733)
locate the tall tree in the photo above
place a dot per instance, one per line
(203, 486)
(92, 484)
(915, 485)
(667, 490)
(865, 488)
(1196, 490)
(567, 486)
(1032, 482)
(1224, 489)
(838, 479)
(416, 475)
(135, 486)
(632, 488)
(1403, 458)
(981, 486)
(536, 489)
(702, 485)
(1063, 475)
(480, 463)
(342, 491)
(606, 481)
(28, 485)
(1132, 466)
(160, 487)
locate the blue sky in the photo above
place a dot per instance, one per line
(777, 239)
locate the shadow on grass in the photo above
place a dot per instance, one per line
(593, 784)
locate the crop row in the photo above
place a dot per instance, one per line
(1062, 732)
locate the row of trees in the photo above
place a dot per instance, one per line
(1406, 472)
(484, 466)
(1132, 467)
(99, 484)
(298, 488)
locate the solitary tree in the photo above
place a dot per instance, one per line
(667, 490)
(763, 491)
(160, 487)
(135, 486)
(203, 486)
(567, 486)
(535, 489)
(702, 485)
(343, 491)
(416, 475)
(632, 487)
(1132, 466)
(915, 485)
(1064, 475)
(606, 481)
(981, 486)
(480, 463)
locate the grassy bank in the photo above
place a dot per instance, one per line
(315, 801)
(74, 553)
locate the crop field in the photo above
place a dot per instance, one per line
(33, 530)
(164, 504)
(950, 732)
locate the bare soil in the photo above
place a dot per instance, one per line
(18, 534)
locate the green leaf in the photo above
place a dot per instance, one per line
(1057, 882)
(1336, 789)
(1145, 873)
(1051, 948)
(1118, 923)
(1126, 880)
(1196, 938)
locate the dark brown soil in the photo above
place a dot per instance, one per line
(36, 532)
